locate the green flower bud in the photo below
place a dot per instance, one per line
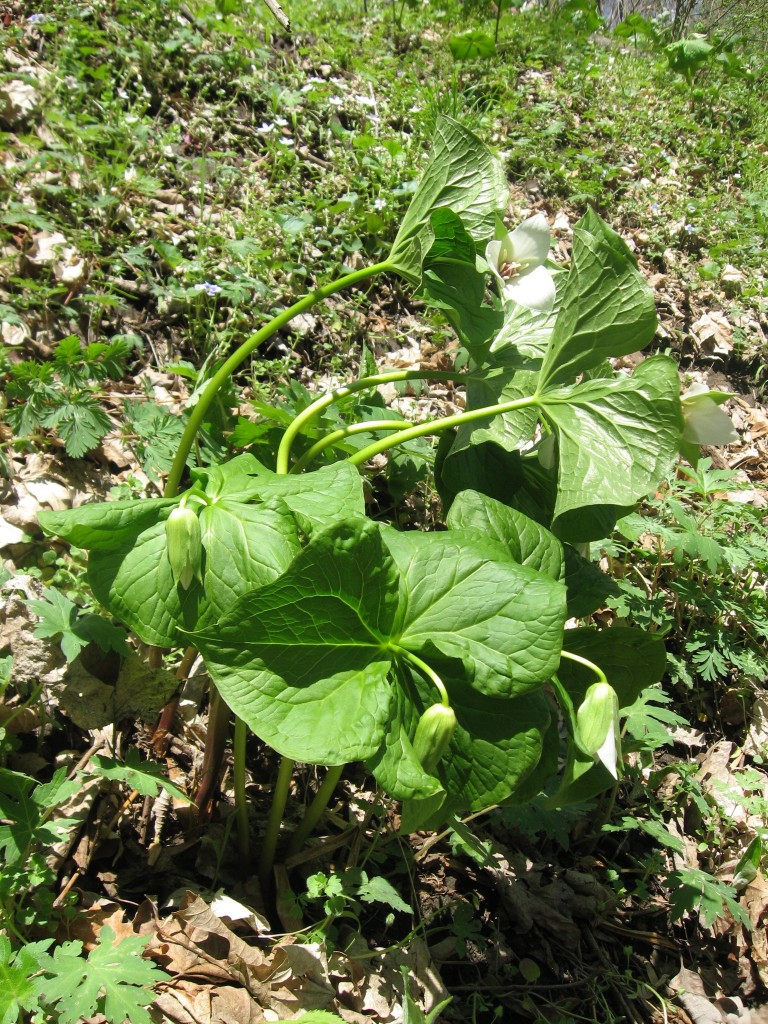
(433, 734)
(185, 545)
(598, 723)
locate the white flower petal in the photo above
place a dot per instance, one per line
(493, 254)
(534, 289)
(707, 423)
(608, 754)
(529, 242)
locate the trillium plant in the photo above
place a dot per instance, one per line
(441, 660)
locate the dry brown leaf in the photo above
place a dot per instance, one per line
(754, 899)
(713, 334)
(188, 1002)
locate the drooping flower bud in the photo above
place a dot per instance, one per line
(433, 734)
(185, 545)
(598, 723)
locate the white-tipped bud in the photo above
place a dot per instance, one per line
(185, 545)
(598, 723)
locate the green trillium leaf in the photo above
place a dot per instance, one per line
(304, 661)
(461, 596)
(317, 499)
(101, 525)
(527, 541)
(462, 175)
(616, 438)
(244, 546)
(497, 743)
(606, 307)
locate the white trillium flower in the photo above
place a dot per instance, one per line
(519, 259)
(705, 421)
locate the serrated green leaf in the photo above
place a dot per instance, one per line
(81, 423)
(58, 617)
(471, 45)
(115, 979)
(145, 777)
(17, 989)
(379, 890)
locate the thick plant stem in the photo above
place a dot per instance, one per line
(333, 438)
(364, 384)
(215, 742)
(276, 811)
(197, 415)
(241, 805)
(315, 810)
(435, 426)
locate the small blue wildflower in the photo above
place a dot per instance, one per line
(208, 287)
(36, 19)
(655, 208)
(690, 229)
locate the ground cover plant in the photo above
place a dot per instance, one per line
(402, 628)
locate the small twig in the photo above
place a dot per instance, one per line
(59, 901)
(93, 749)
(279, 14)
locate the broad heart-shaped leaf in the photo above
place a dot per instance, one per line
(497, 743)
(631, 660)
(394, 765)
(461, 174)
(496, 386)
(606, 307)
(305, 661)
(616, 438)
(105, 525)
(317, 499)
(463, 597)
(245, 546)
(527, 541)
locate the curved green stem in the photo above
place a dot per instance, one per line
(586, 663)
(315, 810)
(428, 671)
(295, 428)
(435, 426)
(276, 811)
(227, 368)
(338, 435)
(241, 805)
